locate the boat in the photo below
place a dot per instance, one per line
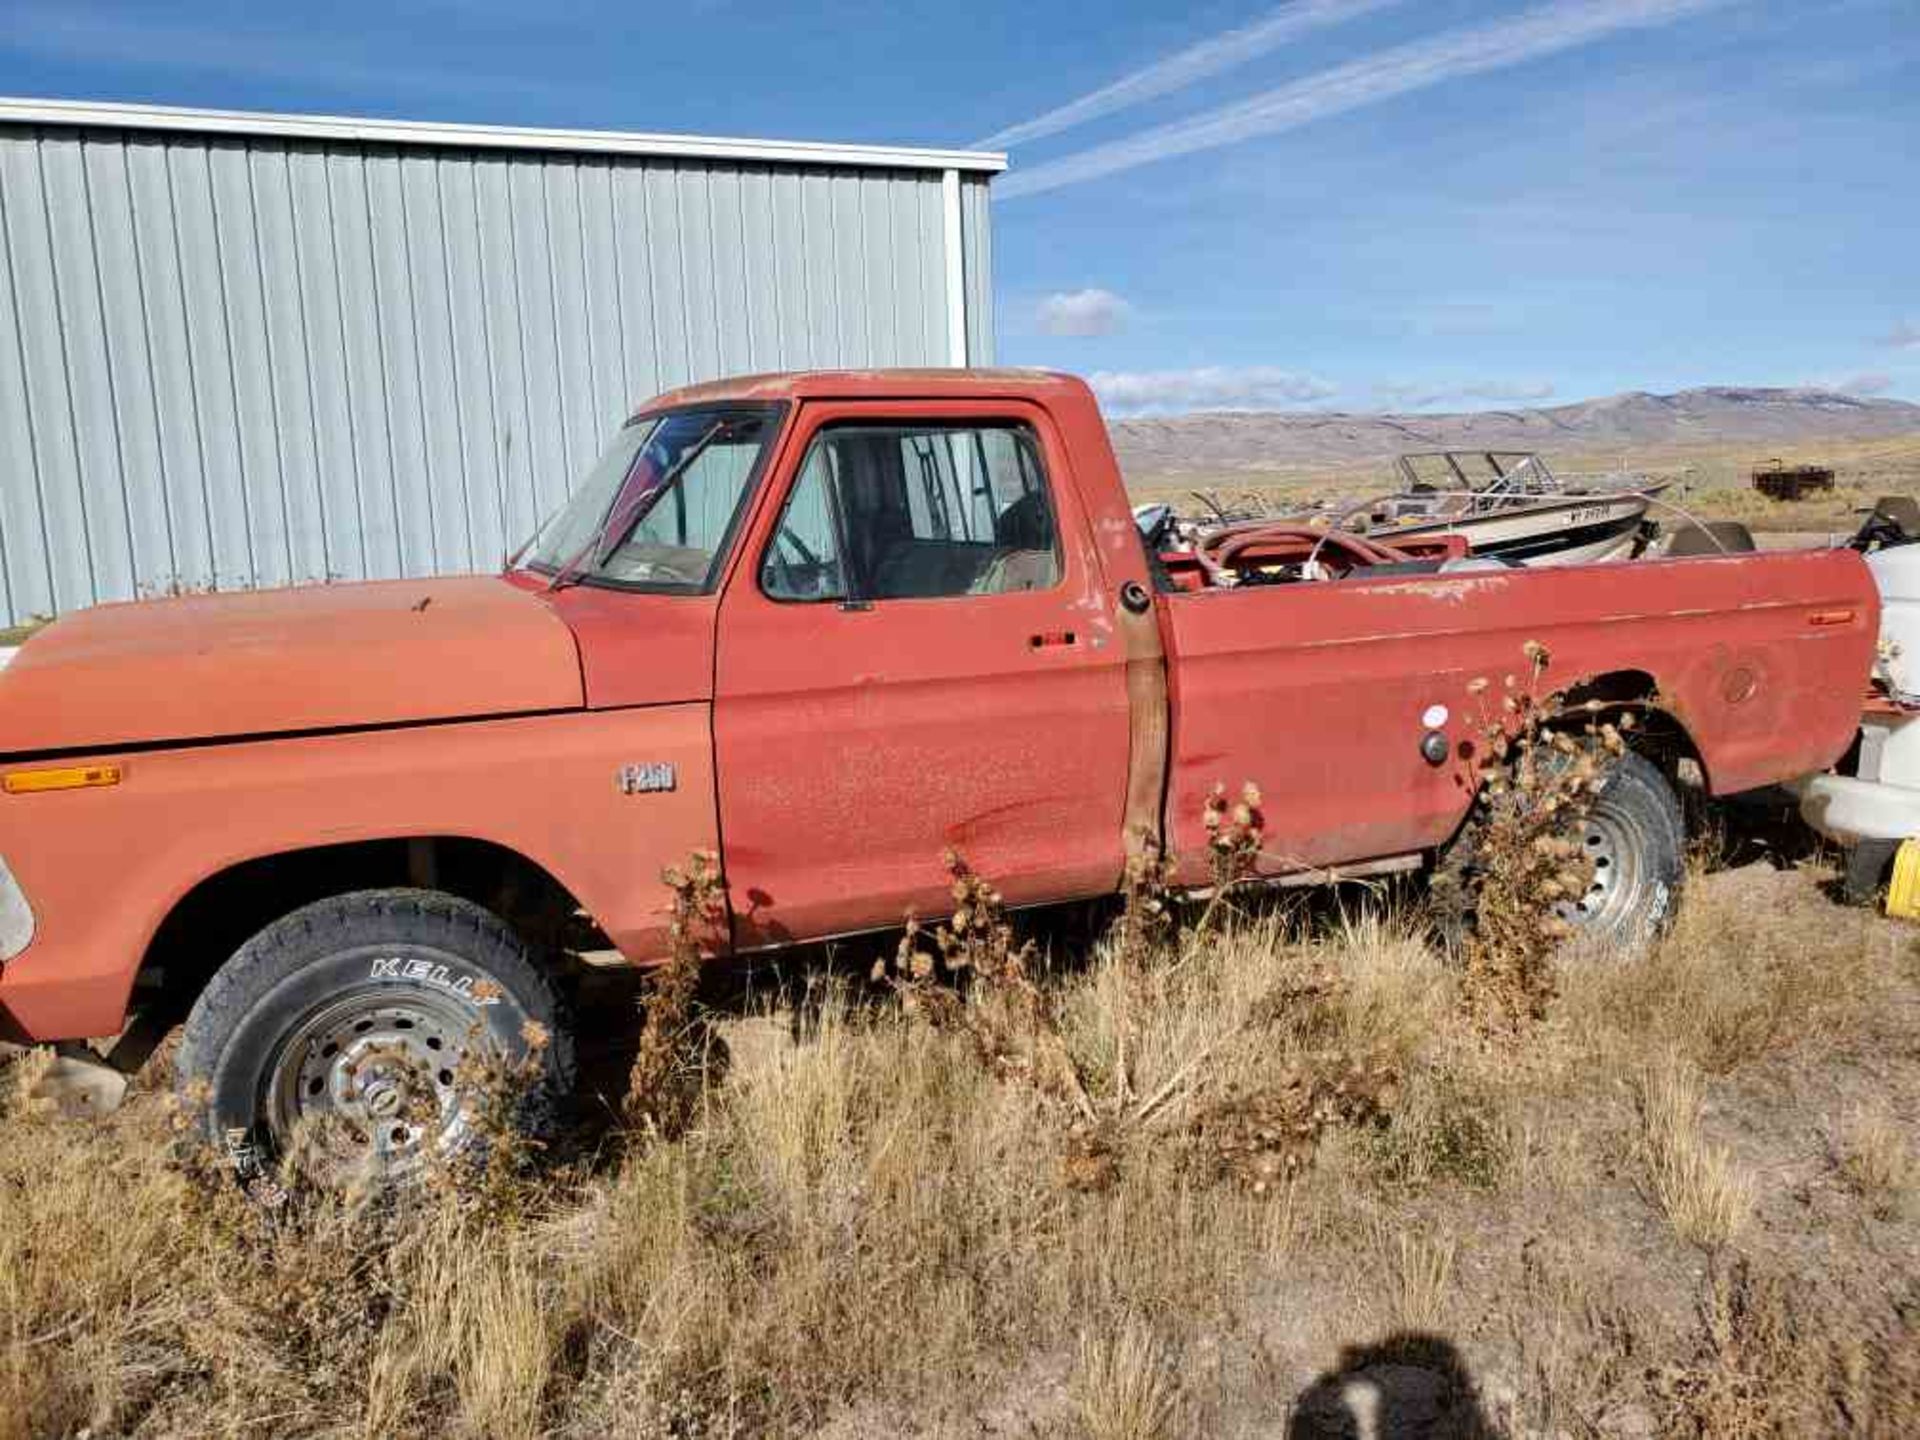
(1508, 505)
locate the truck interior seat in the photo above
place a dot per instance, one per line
(1024, 556)
(916, 569)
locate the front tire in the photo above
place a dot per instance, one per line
(339, 1033)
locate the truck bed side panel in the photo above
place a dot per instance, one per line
(1322, 693)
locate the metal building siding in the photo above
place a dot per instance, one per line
(229, 361)
(976, 230)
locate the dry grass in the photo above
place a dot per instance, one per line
(1454, 1126)
(1124, 1386)
(871, 1225)
(1420, 1287)
(1716, 480)
(1706, 1198)
(1877, 1159)
(1737, 979)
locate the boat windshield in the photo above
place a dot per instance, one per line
(1487, 473)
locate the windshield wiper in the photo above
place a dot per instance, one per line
(571, 572)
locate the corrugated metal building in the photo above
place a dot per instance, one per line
(247, 350)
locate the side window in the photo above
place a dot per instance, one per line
(803, 560)
(926, 511)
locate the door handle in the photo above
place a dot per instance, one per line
(1052, 639)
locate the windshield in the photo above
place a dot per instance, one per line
(657, 509)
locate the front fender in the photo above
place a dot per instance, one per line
(103, 867)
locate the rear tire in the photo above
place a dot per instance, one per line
(1635, 834)
(345, 1024)
(1636, 837)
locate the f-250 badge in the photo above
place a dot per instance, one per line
(647, 779)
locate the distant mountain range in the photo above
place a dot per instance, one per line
(1240, 440)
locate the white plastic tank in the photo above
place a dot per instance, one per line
(1897, 572)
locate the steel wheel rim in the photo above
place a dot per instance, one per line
(1606, 840)
(369, 1083)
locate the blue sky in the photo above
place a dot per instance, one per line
(1328, 203)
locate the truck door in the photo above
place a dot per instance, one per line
(915, 653)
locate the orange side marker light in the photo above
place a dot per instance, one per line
(66, 777)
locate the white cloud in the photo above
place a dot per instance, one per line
(1211, 387)
(1416, 394)
(1905, 335)
(1870, 382)
(1450, 55)
(1184, 67)
(1082, 312)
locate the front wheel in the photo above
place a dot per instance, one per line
(345, 1033)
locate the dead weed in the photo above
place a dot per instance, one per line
(1779, 1357)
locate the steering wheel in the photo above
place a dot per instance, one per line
(1218, 551)
(805, 551)
(804, 560)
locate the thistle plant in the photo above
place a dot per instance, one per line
(1014, 1025)
(1235, 831)
(664, 1084)
(1536, 773)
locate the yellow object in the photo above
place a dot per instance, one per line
(1903, 890)
(67, 777)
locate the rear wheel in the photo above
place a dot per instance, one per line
(1635, 839)
(346, 1033)
(1633, 836)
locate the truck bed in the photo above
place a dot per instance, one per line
(1323, 691)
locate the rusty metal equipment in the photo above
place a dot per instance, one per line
(1779, 481)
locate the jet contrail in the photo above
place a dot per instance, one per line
(1183, 67)
(1470, 50)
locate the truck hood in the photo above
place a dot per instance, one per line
(285, 661)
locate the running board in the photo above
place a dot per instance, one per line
(1331, 875)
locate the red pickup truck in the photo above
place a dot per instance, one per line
(825, 625)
